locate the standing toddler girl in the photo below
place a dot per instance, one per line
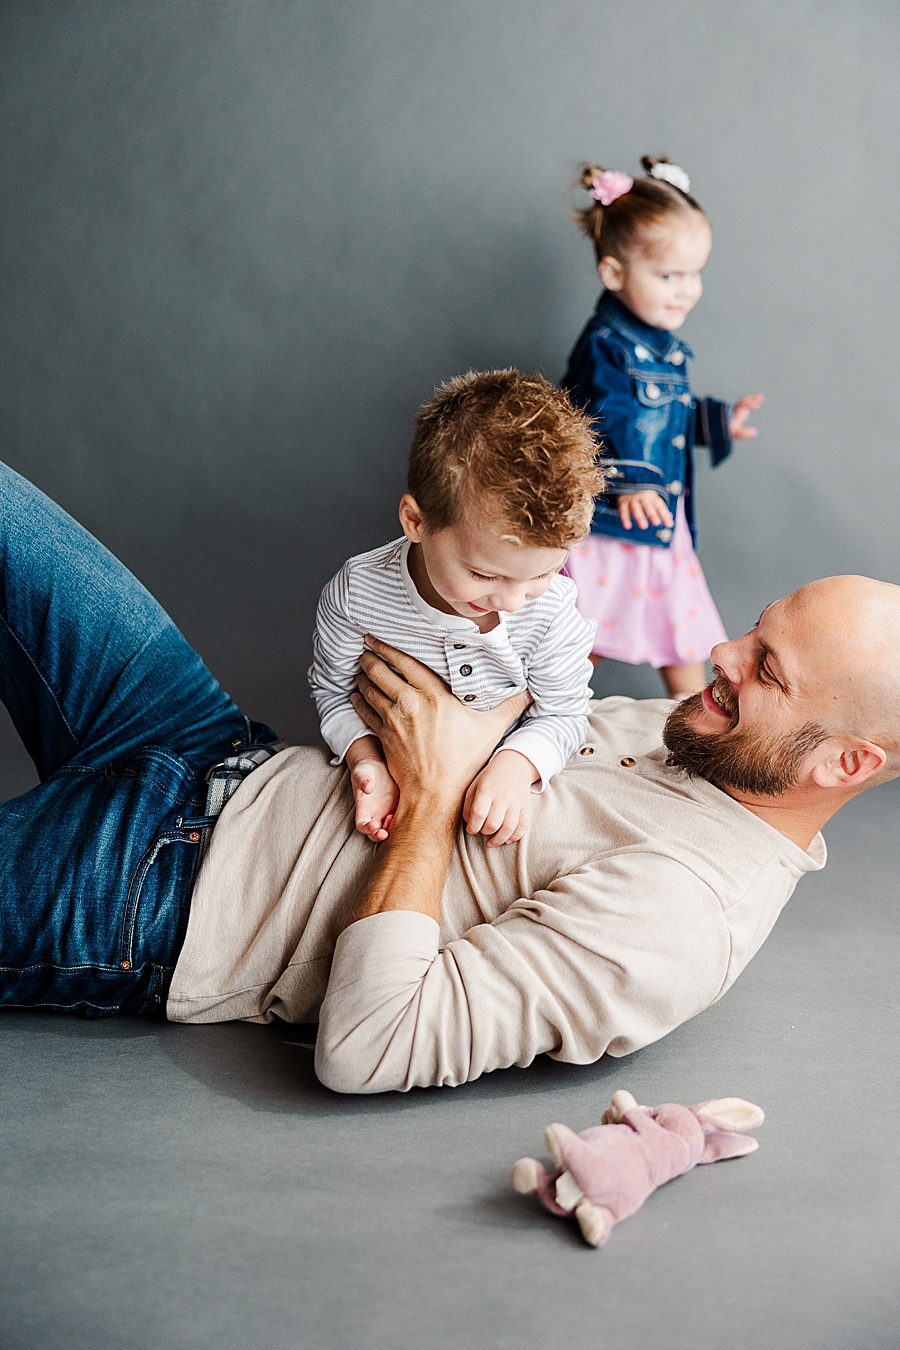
(637, 573)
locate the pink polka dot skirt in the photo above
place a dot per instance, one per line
(652, 605)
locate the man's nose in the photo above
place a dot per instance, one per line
(732, 659)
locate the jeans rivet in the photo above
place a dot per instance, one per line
(124, 965)
(194, 835)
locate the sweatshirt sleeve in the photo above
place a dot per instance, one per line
(338, 643)
(559, 676)
(711, 419)
(605, 960)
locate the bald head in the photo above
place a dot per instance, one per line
(843, 633)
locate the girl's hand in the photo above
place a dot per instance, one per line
(498, 801)
(648, 508)
(741, 411)
(376, 796)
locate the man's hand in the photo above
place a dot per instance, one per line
(647, 508)
(498, 802)
(434, 746)
(739, 414)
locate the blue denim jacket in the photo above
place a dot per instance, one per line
(633, 380)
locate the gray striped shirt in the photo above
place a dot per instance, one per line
(543, 647)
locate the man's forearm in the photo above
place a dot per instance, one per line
(409, 870)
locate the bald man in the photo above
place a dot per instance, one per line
(656, 864)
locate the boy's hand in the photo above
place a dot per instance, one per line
(374, 790)
(376, 796)
(648, 508)
(741, 411)
(498, 801)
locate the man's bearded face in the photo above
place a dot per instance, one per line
(741, 759)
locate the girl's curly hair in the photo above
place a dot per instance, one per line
(510, 447)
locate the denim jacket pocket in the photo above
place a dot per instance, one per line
(655, 393)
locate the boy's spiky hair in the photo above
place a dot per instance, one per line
(511, 447)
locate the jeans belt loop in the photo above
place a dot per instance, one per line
(224, 779)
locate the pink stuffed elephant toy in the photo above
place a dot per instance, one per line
(606, 1173)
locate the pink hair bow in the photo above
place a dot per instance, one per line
(610, 185)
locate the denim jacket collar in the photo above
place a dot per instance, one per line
(657, 340)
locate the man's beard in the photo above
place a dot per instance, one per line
(745, 761)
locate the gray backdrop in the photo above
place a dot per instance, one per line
(244, 238)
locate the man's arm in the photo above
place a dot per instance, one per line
(434, 747)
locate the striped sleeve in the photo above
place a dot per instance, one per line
(338, 643)
(559, 677)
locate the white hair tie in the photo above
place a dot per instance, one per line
(672, 173)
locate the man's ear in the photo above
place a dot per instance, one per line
(411, 518)
(849, 765)
(612, 273)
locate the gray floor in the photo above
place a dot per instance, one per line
(175, 1188)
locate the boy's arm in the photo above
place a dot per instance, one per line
(555, 725)
(338, 643)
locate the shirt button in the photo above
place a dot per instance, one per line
(674, 487)
(677, 358)
(627, 762)
(653, 391)
(468, 698)
(586, 750)
(465, 670)
(678, 442)
(641, 353)
(684, 398)
(664, 535)
(459, 646)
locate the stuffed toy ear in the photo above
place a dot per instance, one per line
(622, 1101)
(729, 1113)
(722, 1144)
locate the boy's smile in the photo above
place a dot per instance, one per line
(474, 568)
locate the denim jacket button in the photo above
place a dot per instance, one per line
(653, 391)
(678, 442)
(641, 353)
(677, 358)
(664, 535)
(675, 486)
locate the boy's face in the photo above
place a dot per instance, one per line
(662, 287)
(470, 569)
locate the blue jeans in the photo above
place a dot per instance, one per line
(122, 719)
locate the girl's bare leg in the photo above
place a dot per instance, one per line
(681, 680)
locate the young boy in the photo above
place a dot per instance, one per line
(502, 478)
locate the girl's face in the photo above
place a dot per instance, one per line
(662, 287)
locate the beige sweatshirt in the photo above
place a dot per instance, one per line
(635, 900)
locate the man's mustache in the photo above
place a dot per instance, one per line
(724, 694)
